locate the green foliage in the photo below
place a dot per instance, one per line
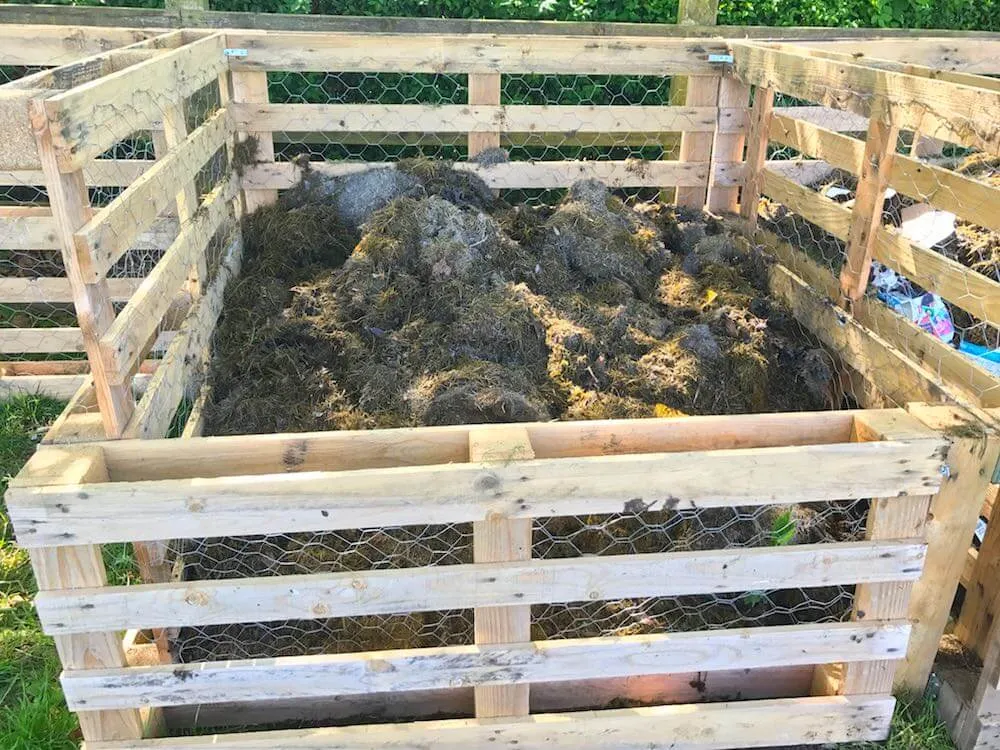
(782, 529)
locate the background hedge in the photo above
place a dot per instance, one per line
(941, 14)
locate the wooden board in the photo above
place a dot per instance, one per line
(483, 116)
(498, 539)
(113, 229)
(512, 175)
(49, 290)
(304, 677)
(89, 119)
(324, 501)
(592, 578)
(471, 53)
(958, 113)
(423, 446)
(712, 726)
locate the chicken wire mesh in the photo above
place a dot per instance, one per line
(558, 537)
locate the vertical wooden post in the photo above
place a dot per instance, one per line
(71, 209)
(866, 218)
(702, 91)
(697, 91)
(888, 518)
(251, 87)
(484, 88)
(757, 140)
(174, 131)
(728, 147)
(501, 539)
(82, 567)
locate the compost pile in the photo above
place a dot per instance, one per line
(415, 297)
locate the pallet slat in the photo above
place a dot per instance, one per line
(324, 501)
(472, 53)
(461, 118)
(111, 230)
(710, 726)
(89, 119)
(369, 592)
(300, 677)
(510, 175)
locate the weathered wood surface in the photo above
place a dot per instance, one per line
(367, 498)
(303, 677)
(324, 595)
(712, 726)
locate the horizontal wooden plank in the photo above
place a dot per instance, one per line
(123, 343)
(367, 498)
(460, 118)
(57, 290)
(827, 214)
(957, 113)
(53, 340)
(511, 175)
(434, 668)
(38, 44)
(372, 449)
(87, 120)
(40, 340)
(61, 387)
(443, 587)
(113, 229)
(939, 360)
(100, 172)
(473, 53)
(969, 199)
(27, 228)
(710, 726)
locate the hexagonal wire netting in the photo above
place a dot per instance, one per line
(403, 547)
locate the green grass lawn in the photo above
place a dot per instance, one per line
(32, 713)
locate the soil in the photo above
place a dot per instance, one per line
(415, 297)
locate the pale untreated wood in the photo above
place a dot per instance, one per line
(757, 140)
(485, 115)
(728, 147)
(484, 88)
(511, 175)
(888, 518)
(597, 578)
(315, 501)
(368, 449)
(50, 290)
(499, 539)
(303, 677)
(945, 370)
(80, 567)
(114, 228)
(711, 726)
(702, 91)
(974, 451)
(70, 205)
(472, 53)
(955, 112)
(250, 91)
(964, 196)
(866, 216)
(89, 119)
(188, 350)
